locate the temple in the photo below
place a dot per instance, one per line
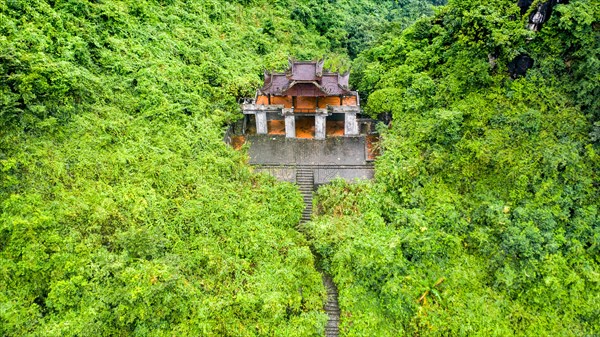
(305, 93)
(304, 125)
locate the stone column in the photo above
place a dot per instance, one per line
(350, 124)
(321, 124)
(290, 123)
(261, 123)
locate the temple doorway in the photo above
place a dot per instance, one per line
(305, 127)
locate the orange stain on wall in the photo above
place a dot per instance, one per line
(306, 102)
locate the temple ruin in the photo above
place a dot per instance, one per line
(305, 94)
(306, 121)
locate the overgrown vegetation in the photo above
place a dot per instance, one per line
(483, 219)
(122, 212)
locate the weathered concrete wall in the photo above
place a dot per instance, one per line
(320, 127)
(290, 123)
(261, 123)
(322, 174)
(339, 157)
(277, 150)
(281, 173)
(350, 125)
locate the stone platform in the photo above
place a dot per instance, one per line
(278, 150)
(343, 157)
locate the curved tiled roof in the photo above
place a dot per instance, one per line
(306, 78)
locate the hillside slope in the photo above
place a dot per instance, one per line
(121, 210)
(483, 220)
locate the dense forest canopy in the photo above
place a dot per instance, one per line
(121, 210)
(123, 213)
(483, 219)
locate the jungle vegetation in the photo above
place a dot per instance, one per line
(122, 212)
(483, 217)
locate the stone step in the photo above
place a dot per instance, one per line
(306, 182)
(331, 307)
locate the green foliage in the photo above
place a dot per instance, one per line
(121, 210)
(483, 219)
(119, 226)
(351, 26)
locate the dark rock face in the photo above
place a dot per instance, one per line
(385, 117)
(519, 65)
(541, 14)
(524, 5)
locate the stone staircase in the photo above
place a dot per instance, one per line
(332, 307)
(305, 181)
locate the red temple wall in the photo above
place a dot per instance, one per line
(307, 102)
